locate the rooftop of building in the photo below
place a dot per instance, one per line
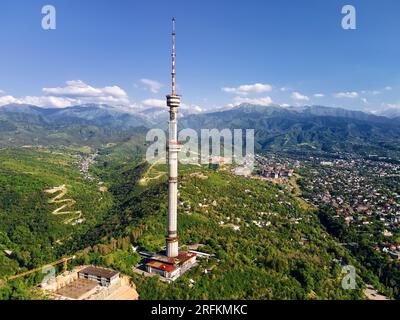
(182, 257)
(77, 289)
(161, 266)
(99, 272)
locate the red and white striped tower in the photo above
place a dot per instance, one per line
(174, 147)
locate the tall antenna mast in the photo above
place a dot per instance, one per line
(173, 57)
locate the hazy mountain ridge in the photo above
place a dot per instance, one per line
(393, 113)
(306, 128)
(88, 124)
(310, 128)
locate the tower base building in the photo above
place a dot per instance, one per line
(171, 268)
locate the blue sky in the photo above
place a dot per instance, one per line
(283, 52)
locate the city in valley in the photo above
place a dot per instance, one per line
(362, 194)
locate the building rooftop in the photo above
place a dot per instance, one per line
(99, 272)
(161, 266)
(182, 257)
(78, 289)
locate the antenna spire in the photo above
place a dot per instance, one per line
(173, 57)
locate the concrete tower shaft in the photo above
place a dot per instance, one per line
(173, 102)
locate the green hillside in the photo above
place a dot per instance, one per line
(265, 243)
(32, 228)
(268, 246)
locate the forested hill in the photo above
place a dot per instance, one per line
(46, 205)
(264, 243)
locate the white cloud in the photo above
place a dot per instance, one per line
(299, 96)
(388, 88)
(192, 107)
(391, 106)
(387, 109)
(75, 92)
(81, 92)
(365, 100)
(249, 88)
(266, 101)
(319, 95)
(154, 103)
(7, 100)
(371, 92)
(152, 85)
(41, 101)
(350, 95)
(47, 101)
(163, 104)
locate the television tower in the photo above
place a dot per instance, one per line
(174, 147)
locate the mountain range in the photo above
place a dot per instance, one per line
(309, 128)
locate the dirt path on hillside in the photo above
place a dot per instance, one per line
(146, 179)
(158, 174)
(66, 203)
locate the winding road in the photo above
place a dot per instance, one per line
(66, 203)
